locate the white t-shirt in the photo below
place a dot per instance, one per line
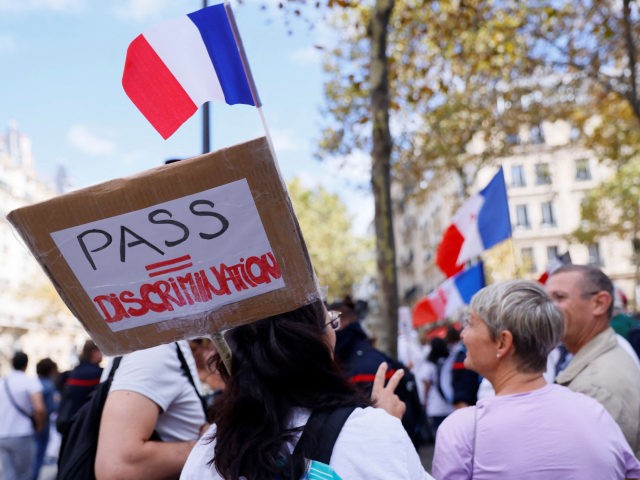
(12, 422)
(156, 373)
(437, 406)
(372, 445)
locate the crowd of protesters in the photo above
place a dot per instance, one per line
(540, 381)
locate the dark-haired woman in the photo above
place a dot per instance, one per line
(282, 370)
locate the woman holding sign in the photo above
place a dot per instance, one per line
(284, 378)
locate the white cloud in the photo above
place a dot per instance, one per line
(8, 44)
(306, 56)
(88, 142)
(41, 5)
(284, 141)
(142, 9)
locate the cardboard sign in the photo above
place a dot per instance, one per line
(180, 251)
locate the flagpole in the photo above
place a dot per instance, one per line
(252, 85)
(258, 104)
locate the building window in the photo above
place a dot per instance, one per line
(594, 255)
(513, 139)
(552, 253)
(548, 217)
(522, 216)
(527, 259)
(517, 176)
(543, 174)
(536, 134)
(583, 172)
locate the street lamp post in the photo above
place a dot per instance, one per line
(206, 144)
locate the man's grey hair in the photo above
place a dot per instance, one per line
(525, 309)
(593, 280)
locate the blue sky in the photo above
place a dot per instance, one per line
(60, 80)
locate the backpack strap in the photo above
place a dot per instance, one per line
(187, 372)
(321, 432)
(15, 405)
(114, 366)
(439, 366)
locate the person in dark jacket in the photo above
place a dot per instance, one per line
(354, 350)
(79, 383)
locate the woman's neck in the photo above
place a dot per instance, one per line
(513, 381)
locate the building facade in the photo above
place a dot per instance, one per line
(547, 176)
(32, 316)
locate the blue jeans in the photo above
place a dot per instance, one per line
(16, 457)
(42, 440)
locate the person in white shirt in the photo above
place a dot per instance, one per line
(152, 417)
(22, 413)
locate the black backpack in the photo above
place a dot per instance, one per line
(80, 443)
(320, 434)
(79, 446)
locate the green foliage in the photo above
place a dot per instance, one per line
(340, 258)
(613, 207)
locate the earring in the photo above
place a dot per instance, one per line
(497, 355)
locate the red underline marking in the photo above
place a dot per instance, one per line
(153, 266)
(167, 270)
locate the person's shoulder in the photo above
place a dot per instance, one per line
(459, 423)
(197, 465)
(153, 355)
(367, 359)
(371, 421)
(613, 367)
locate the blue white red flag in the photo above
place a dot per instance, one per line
(176, 66)
(452, 294)
(481, 222)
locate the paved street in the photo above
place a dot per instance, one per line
(426, 455)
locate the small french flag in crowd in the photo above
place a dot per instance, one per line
(178, 65)
(452, 294)
(481, 222)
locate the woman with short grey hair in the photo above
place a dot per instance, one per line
(525, 310)
(529, 430)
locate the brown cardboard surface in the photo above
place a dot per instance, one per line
(251, 161)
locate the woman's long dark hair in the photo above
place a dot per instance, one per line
(278, 363)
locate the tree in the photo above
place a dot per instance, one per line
(596, 41)
(381, 147)
(465, 72)
(614, 207)
(340, 258)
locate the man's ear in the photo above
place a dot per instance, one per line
(601, 302)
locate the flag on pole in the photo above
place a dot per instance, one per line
(178, 65)
(553, 265)
(481, 222)
(452, 294)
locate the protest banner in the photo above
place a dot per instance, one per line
(180, 251)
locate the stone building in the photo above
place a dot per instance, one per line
(32, 316)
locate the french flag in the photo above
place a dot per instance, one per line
(481, 222)
(452, 294)
(178, 65)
